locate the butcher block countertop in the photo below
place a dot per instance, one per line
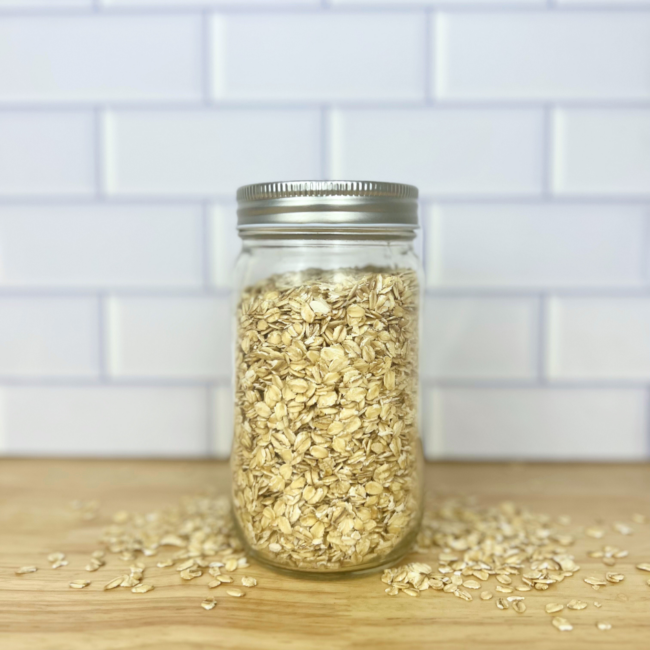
(40, 611)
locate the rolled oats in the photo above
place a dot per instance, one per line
(325, 455)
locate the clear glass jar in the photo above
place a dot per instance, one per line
(326, 457)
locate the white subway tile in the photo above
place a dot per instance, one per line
(553, 424)
(45, 336)
(101, 246)
(224, 244)
(209, 152)
(45, 4)
(222, 421)
(448, 151)
(100, 58)
(599, 338)
(46, 153)
(268, 4)
(531, 55)
(435, 3)
(602, 151)
(111, 421)
(180, 337)
(606, 3)
(480, 338)
(321, 57)
(536, 245)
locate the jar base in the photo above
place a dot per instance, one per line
(379, 564)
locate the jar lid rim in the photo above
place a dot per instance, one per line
(299, 189)
(340, 203)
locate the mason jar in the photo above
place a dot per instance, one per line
(326, 456)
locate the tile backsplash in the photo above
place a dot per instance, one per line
(126, 126)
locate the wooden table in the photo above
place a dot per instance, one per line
(40, 611)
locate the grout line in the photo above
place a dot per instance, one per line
(115, 382)
(200, 291)
(265, 104)
(533, 384)
(291, 9)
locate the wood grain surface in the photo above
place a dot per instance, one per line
(40, 611)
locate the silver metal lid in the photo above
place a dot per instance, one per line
(314, 206)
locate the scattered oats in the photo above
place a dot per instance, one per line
(121, 517)
(504, 590)
(465, 595)
(519, 606)
(225, 579)
(504, 579)
(209, 603)
(436, 584)
(79, 584)
(189, 564)
(25, 569)
(597, 604)
(562, 624)
(551, 608)
(59, 564)
(596, 533)
(216, 565)
(413, 592)
(142, 589)
(235, 593)
(502, 603)
(214, 571)
(471, 584)
(242, 563)
(129, 581)
(622, 528)
(190, 574)
(98, 555)
(116, 582)
(247, 581)
(598, 582)
(602, 625)
(164, 564)
(523, 588)
(213, 584)
(576, 604)
(486, 595)
(645, 566)
(231, 565)
(638, 518)
(94, 564)
(392, 590)
(614, 577)
(56, 557)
